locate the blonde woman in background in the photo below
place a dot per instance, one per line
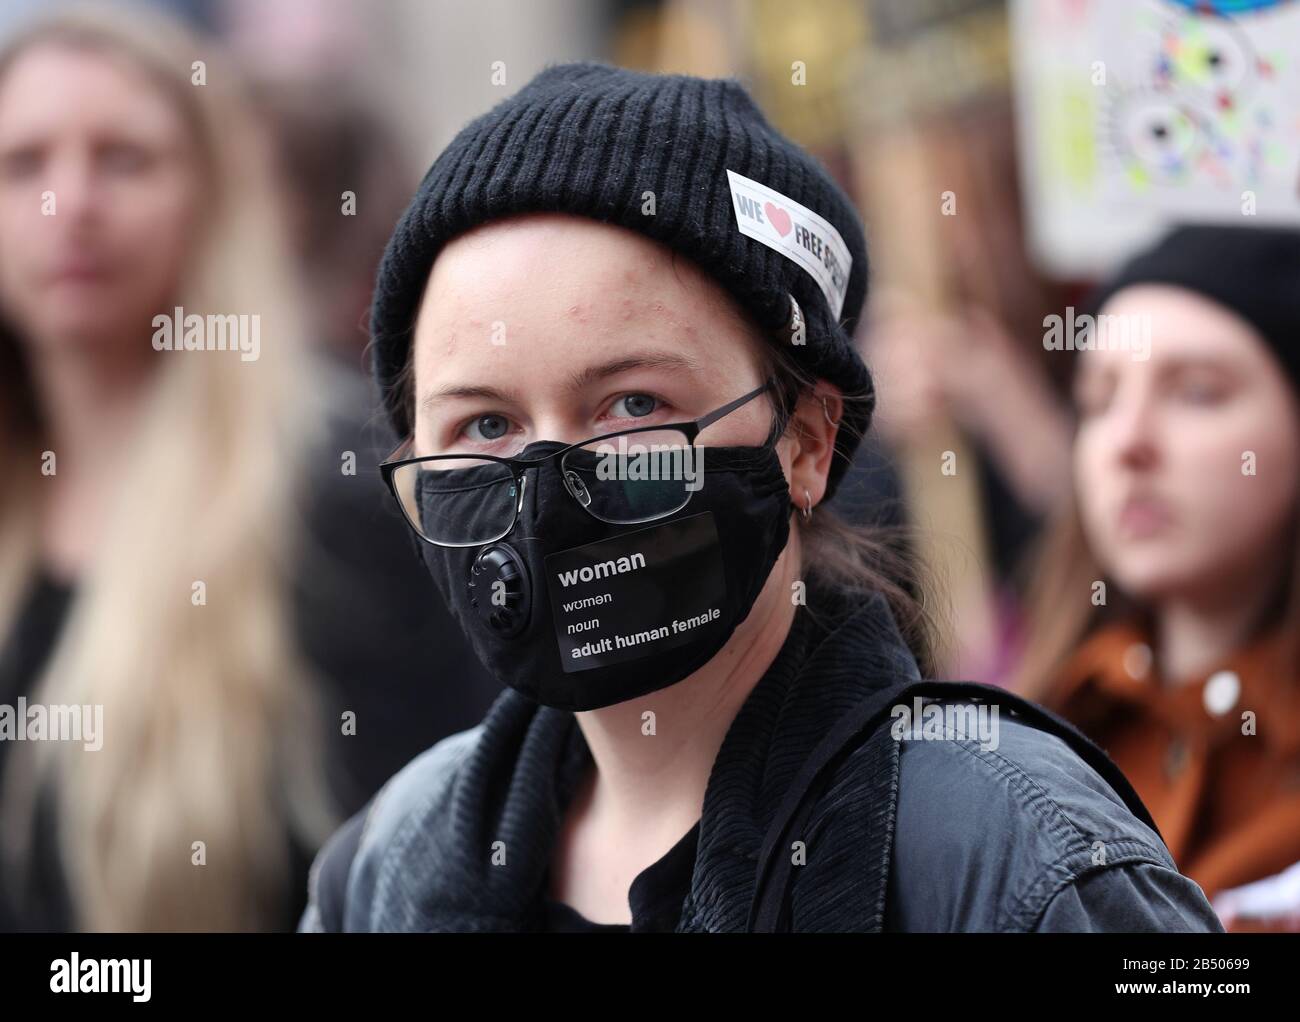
(148, 495)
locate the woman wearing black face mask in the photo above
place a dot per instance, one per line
(614, 327)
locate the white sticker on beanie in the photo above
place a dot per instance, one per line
(795, 231)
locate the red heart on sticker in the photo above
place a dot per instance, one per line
(778, 218)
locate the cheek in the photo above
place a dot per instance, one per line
(1238, 475)
(1230, 520)
(23, 244)
(152, 229)
(1092, 480)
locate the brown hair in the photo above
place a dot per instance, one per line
(1062, 574)
(860, 558)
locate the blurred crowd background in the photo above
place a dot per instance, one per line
(1005, 157)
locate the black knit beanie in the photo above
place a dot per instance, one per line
(591, 139)
(1252, 271)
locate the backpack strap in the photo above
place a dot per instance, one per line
(769, 910)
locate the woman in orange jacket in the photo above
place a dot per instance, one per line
(1166, 611)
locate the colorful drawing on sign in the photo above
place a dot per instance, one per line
(1136, 113)
(1201, 110)
(1229, 7)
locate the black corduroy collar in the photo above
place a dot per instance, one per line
(510, 795)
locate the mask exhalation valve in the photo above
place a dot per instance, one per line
(498, 589)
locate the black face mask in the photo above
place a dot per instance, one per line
(578, 614)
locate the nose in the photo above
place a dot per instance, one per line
(74, 185)
(1137, 432)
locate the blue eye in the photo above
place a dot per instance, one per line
(488, 427)
(636, 406)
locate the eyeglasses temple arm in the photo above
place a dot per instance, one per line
(708, 420)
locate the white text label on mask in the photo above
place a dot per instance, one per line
(636, 595)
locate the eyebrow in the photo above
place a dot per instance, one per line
(1180, 362)
(432, 397)
(1171, 363)
(577, 381)
(645, 360)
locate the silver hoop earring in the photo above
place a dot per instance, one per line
(806, 510)
(826, 412)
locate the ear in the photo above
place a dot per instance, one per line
(811, 439)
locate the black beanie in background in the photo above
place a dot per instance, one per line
(1254, 271)
(591, 140)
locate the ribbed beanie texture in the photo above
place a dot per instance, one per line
(591, 139)
(1254, 271)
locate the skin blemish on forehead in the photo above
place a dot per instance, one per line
(603, 304)
(449, 340)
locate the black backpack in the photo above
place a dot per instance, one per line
(769, 911)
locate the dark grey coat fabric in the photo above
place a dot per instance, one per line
(907, 835)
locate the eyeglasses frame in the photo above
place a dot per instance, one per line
(692, 428)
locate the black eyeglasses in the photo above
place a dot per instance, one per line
(625, 478)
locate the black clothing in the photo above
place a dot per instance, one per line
(905, 834)
(655, 895)
(37, 901)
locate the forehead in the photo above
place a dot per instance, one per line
(548, 252)
(79, 83)
(1183, 326)
(512, 291)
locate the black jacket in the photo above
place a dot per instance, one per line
(905, 834)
